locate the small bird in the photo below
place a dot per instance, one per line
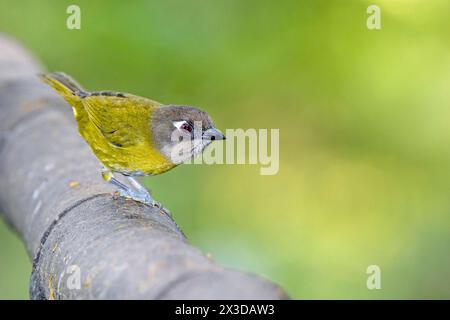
(135, 136)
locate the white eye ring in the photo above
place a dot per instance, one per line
(179, 124)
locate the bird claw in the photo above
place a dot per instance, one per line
(158, 205)
(143, 198)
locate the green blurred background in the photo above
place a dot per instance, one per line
(364, 136)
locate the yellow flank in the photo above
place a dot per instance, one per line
(116, 126)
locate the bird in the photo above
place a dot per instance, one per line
(135, 136)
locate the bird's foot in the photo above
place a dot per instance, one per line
(142, 197)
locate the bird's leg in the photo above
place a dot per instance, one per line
(108, 176)
(124, 190)
(140, 194)
(144, 192)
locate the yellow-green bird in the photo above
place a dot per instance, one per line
(135, 136)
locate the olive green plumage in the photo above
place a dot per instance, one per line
(128, 134)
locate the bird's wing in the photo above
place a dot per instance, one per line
(123, 119)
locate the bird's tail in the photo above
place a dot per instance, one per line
(67, 87)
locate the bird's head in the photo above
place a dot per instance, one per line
(181, 132)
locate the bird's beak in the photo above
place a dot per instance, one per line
(213, 134)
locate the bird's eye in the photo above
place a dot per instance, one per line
(186, 126)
